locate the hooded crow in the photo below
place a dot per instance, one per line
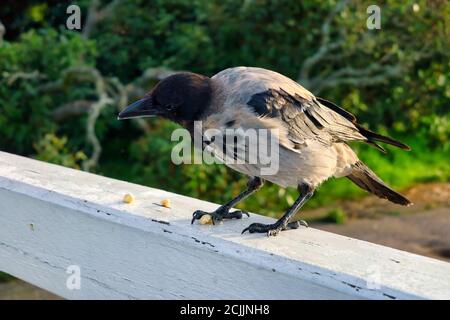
(311, 133)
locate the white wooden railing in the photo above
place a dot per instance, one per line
(69, 232)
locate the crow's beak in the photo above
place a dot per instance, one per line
(139, 109)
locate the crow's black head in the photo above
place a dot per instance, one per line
(181, 97)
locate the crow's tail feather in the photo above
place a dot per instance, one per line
(368, 180)
(373, 136)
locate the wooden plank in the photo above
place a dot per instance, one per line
(52, 218)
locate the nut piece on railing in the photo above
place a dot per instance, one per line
(165, 203)
(128, 198)
(206, 219)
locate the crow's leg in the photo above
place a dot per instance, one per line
(223, 212)
(306, 191)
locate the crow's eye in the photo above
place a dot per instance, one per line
(169, 107)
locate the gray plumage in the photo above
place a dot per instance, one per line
(310, 134)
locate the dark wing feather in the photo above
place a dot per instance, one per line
(305, 118)
(315, 118)
(370, 135)
(337, 109)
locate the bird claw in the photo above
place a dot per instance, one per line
(296, 225)
(199, 213)
(273, 229)
(261, 228)
(219, 214)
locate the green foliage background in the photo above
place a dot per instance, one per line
(207, 36)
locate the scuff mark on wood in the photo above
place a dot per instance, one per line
(161, 221)
(203, 242)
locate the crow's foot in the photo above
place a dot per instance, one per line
(273, 229)
(220, 214)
